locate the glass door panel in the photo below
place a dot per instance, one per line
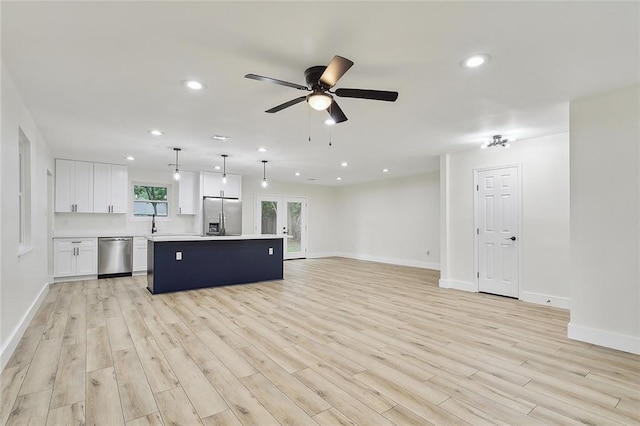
(269, 217)
(294, 229)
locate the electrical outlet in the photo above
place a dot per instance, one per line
(178, 255)
(270, 251)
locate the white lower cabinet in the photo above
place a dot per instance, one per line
(75, 257)
(139, 254)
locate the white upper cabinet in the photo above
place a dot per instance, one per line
(213, 186)
(110, 188)
(74, 186)
(188, 190)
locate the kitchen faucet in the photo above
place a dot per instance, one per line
(154, 228)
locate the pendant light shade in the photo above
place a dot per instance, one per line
(224, 169)
(176, 174)
(264, 174)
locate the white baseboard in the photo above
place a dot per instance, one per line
(545, 299)
(321, 255)
(459, 285)
(77, 278)
(18, 332)
(391, 261)
(609, 339)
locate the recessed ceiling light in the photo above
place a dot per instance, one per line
(338, 178)
(297, 173)
(217, 168)
(130, 158)
(385, 170)
(156, 132)
(475, 61)
(344, 164)
(220, 138)
(329, 122)
(261, 149)
(193, 85)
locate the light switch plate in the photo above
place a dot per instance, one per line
(270, 251)
(178, 255)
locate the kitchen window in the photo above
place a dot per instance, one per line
(150, 200)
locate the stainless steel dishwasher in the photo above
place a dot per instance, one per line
(115, 257)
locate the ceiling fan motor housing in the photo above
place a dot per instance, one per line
(312, 76)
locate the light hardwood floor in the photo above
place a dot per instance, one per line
(337, 342)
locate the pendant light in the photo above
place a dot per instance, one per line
(264, 174)
(224, 169)
(176, 174)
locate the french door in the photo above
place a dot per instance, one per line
(284, 216)
(497, 227)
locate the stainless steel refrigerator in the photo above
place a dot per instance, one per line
(221, 216)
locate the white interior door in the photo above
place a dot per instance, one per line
(284, 216)
(498, 224)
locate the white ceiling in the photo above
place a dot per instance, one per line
(98, 75)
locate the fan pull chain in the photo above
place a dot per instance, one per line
(330, 134)
(309, 125)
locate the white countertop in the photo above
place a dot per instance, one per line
(99, 234)
(163, 238)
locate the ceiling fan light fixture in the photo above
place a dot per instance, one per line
(319, 100)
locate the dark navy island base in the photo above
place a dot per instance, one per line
(208, 262)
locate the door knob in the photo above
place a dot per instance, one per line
(513, 238)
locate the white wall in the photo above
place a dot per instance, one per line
(321, 211)
(68, 224)
(392, 221)
(23, 279)
(605, 219)
(545, 216)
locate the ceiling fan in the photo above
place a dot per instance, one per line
(320, 80)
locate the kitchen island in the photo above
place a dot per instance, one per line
(187, 262)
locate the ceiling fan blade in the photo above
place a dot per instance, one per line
(377, 95)
(336, 69)
(336, 113)
(273, 80)
(286, 104)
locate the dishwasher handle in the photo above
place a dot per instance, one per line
(117, 239)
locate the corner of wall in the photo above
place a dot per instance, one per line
(18, 332)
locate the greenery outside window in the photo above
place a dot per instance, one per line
(150, 200)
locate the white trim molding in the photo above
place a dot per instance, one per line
(545, 299)
(609, 339)
(18, 332)
(391, 261)
(459, 285)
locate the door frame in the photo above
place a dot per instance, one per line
(476, 222)
(285, 198)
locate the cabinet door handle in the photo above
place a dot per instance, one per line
(180, 210)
